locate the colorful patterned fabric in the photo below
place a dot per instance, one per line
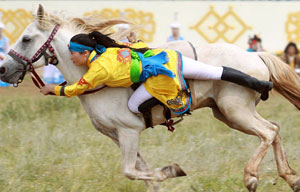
(113, 69)
(170, 91)
(152, 65)
(124, 55)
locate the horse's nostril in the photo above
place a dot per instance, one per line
(2, 70)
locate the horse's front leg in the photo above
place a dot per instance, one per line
(141, 165)
(128, 140)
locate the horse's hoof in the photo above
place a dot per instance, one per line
(179, 171)
(252, 184)
(296, 186)
(173, 170)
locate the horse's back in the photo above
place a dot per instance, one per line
(185, 47)
(229, 96)
(223, 54)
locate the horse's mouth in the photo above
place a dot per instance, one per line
(12, 78)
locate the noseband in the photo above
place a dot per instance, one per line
(27, 63)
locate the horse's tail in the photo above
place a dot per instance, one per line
(285, 79)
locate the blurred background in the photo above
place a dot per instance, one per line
(49, 144)
(275, 22)
(252, 25)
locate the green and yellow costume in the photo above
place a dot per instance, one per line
(121, 67)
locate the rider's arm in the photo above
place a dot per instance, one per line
(93, 78)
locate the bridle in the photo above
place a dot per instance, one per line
(27, 63)
(49, 59)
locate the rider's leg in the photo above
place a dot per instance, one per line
(139, 96)
(193, 69)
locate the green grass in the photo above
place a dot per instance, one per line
(49, 144)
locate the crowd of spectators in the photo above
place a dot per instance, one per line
(289, 55)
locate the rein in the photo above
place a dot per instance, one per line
(49, 59)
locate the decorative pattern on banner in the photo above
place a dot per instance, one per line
(144, 19)
(292, 27)
(213, 27)
(15, 21)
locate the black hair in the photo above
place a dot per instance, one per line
(291, 44)
(95, 37)
(254, 38)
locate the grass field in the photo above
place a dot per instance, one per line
(49, 144)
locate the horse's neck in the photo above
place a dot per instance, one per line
(70, 72)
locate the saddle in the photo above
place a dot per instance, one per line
(146, 109)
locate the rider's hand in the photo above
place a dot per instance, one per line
(1, 57)
(47, 89)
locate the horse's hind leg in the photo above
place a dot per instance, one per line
(283, 168)
(245, 118)
(267, 132)
(217, 114)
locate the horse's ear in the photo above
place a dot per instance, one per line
(40, 16)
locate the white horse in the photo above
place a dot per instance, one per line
(231, 103)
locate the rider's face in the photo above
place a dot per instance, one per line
(80, 59)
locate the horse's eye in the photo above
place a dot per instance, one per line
(26, 39)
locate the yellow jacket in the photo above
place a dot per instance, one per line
(114, 71)
(106, 69)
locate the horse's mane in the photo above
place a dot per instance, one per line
(83, 25)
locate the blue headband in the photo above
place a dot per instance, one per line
(80, 48)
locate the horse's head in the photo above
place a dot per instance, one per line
(33, 48)
(29, 50)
